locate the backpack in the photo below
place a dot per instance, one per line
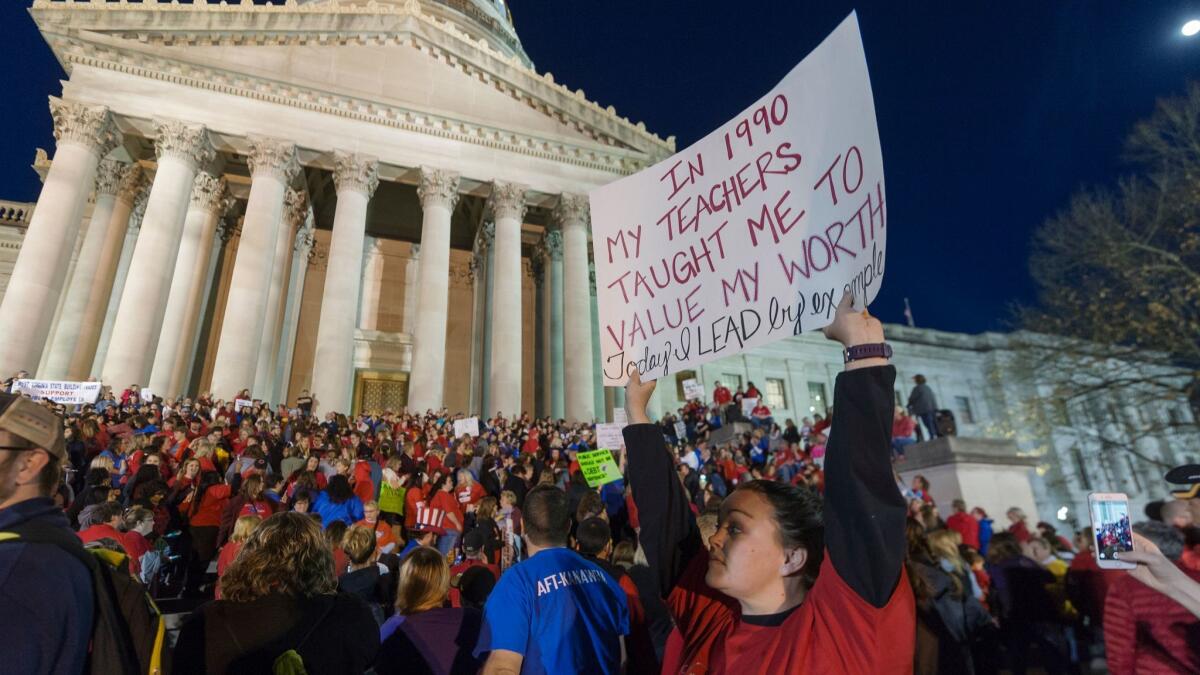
(128, 630)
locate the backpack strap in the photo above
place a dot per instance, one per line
(35, 532)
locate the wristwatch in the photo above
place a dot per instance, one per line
(874, 350)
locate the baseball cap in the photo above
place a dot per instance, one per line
(1187, 475)
(475, 585)
(473, 541)
(33, 423)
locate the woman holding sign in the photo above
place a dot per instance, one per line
(788, 585)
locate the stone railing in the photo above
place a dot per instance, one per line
(15, 213)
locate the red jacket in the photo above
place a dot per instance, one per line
(966, 525)
(1147, 633)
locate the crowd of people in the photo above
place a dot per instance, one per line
(294, 538)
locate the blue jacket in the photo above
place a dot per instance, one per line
(46, 594)
(349, 511)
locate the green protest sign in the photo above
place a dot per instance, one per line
(598, 467)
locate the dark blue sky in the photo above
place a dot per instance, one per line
(991, 113)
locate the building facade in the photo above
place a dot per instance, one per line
(384, 203)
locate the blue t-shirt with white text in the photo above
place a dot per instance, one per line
(561, 612)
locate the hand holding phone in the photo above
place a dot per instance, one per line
(1111, 529)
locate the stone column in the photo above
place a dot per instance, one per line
(273, 165)
(487, 238)
(295, 297)
(70, 323)
(508, 206)
(558, 401)
(541, 333)
(95, 307)
(372, 284)
(84, 136)
(119, 277)
(439, 193)
(573, 214)
(181, 149)
(356, 178)
(295, 206)
(411, 271)
(172, 358)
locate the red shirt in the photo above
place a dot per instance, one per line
(904, 427)
(211, 506)
(722, 396)
(1019, 531)
(102, 531)
(966, 525)
(455, 596)
(384, 536)
(413, 497)
(1148, 633)
(448, 503)
(833, 631)
(469, 495)
(761, 411)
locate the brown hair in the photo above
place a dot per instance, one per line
(359, 544)
(486, 509)
(286, 554)
(424, 581)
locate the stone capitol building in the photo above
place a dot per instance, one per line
(385, 203)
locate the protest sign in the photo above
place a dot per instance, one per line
(609, 436)
(621, 417)
(469, 426)
(147, 395)
(681, 431)
(238, 404)
(65, 393)
(598, 467)
(693, 390)
(753, 233)
(748, 406)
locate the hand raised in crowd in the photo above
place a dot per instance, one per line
(637, 397)
(852, 327)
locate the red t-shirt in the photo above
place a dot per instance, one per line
(448, 503)
(967, 527)
(721, 395)
(211, 507)
(469, 495)
(833, 631)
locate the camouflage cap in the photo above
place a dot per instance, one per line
(33, 423)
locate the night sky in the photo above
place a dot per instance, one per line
(991, 113)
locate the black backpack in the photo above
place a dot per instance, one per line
(128, 630)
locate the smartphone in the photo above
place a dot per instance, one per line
(1110, 526)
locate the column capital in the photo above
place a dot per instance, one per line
(554, 244)
(108, 177)
(271, 157)
(537, 268)
(487, 236)
(208, 192)
(295, 207)
(139, 208)
(573, 208)
(132, 181)
(438, 187)
(508, 200)
(89, 126)
(355, 172)
(183, 141)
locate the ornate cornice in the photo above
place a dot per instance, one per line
(553, 244)
(334, 23)
(89, 126)
(189, 143)
(132, 180)
(108, 177)
(439, 187)
(295, 207)
(573, 208)
(208, 192)
(355, 172)
(272, 157)
(508, 200)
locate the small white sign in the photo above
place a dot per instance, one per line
(147, 395)
(748, 406)
(680, 430)
(239, 404)
(693, 391)
(467, 427)
(621, 417)
(609, 436)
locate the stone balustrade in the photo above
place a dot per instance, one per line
(15, 213)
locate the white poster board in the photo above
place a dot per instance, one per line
(753, 233)
(147, 395)
(680, 431)
(65, 393)
(748, 406)
(468, 426)
(621, 417)
(609, 436)
(239, 404)
(693, 391)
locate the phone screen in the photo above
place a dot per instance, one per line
(1110, 518)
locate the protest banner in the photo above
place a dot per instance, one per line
(65, 393)
(748, 406)
(598, 467)
(609, 436)
(753, 233)
(468, 426)
(693, 390)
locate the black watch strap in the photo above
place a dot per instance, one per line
(875, 350)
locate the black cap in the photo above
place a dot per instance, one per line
(1187, 475)
(473, 541)
(475, 585)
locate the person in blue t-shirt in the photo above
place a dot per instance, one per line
(555, 612)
